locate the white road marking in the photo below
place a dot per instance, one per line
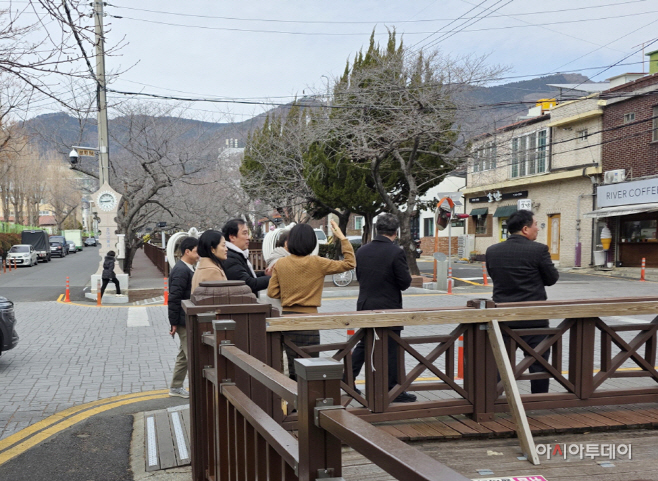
(138, 317)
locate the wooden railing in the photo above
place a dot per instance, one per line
(479, 395)
(234, 399)
(237, 385)
(158, 256)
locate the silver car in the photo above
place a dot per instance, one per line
(23, 255)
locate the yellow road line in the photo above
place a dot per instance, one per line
(468, 282)
(60, 421)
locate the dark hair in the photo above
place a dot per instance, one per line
(518, 220)
(302, 240)
(188, 244)
(283, 237)
(232, 227)
(111, 253)
(387, 224)
(208, 241)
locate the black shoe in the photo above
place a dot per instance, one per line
(358, 391)
(405, 397)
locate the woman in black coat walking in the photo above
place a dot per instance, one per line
(108, 273)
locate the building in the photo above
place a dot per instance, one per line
(627, 199)
(548, 160)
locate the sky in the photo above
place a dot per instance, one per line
(264, 51)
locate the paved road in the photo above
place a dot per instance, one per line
(47, 281)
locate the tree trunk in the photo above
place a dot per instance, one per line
(367, 228)
(407, 242)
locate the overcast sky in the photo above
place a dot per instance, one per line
(264, 50)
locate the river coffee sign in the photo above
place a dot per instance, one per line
(627, 193)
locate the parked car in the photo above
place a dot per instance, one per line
(62, 240)
(91, 241)
(38, 239)
(8, 335)
(72, 248)
(57, 249)
(322, 237)
(355, 240)
(23, 255)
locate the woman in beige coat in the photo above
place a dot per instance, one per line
(212, 250)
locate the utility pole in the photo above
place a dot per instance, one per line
(103, 145)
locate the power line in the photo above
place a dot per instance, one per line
(362, 22)
(447, 34)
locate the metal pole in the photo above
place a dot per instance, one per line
(103, 146)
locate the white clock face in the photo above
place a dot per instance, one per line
(107, 201)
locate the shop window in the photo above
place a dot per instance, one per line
(639, 231)
(480, 224)
(428, 227)
(529, 154)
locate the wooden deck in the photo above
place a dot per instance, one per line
(467, 446)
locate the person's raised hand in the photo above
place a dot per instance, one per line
(336, 230)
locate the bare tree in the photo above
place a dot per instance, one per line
(157, 150)
(63, 192)
(44, 41)
(396, 112)
(273, 169)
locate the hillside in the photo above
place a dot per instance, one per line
(59, 132)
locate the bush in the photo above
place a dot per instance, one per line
(8, 240)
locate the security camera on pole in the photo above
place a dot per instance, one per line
(106, 199)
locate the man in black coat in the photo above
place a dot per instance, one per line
(520, 269)
(383, 273)
(180, 289)
(237, 265)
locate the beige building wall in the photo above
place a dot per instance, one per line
(548, 200)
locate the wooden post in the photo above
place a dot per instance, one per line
(225, 373)
(319, 388)
(512, 393)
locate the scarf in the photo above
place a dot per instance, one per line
(245, 253)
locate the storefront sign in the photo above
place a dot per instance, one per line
(525, 204)
(627, 193)
(507, 196)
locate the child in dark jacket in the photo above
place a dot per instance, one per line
(108, 273)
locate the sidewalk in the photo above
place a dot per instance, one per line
(144, 274)
(651, 274)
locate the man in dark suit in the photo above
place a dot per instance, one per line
(520, 269)
(237, 265)
(180, 289)
(383, 273)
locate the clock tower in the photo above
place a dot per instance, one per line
(107, 205)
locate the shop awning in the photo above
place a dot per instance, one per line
(505, 211)
(621, 210)
(481, 211)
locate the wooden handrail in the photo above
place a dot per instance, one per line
(386, 451)
(278, 383)
(400, 317)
